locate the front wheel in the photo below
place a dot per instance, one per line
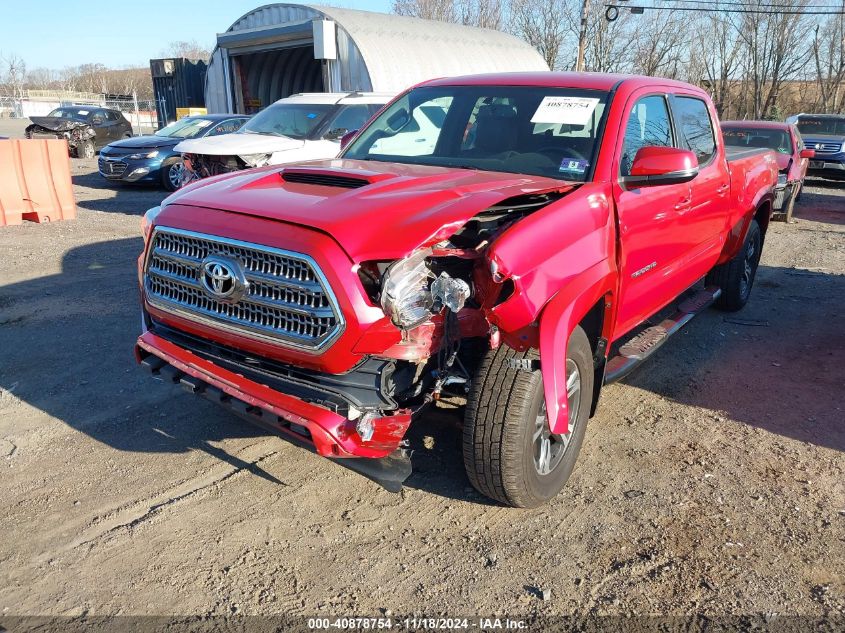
(85, 149)
(509, 453)
(172, 174)
(736, 276)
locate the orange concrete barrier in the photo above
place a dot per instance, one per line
(35, 181)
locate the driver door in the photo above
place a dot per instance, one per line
(651, 244)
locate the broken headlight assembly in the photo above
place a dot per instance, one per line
(411, 292)
(405, 294)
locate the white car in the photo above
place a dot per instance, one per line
(301, 127)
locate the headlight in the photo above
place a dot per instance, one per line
(781, 179)
(147, 221)
(405, 294)
(141, 155)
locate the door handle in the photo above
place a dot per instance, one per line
(683, 204)
(723, 189)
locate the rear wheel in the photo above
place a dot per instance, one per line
(509, 453)
(171, 175)
(736, 277)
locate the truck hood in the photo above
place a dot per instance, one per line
(57, 124)
(394, 209)
(238, 144)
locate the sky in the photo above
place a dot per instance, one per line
(59, 33)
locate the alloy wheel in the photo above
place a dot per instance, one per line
(175, 174)
(549, 448)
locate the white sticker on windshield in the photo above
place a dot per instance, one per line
(569, 110)
(203, 123)
(83, 112)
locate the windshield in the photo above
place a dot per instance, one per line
(832, 127)
(526, 130)
(70, 113)
(778, 140)
(185, 128)
(287, 119)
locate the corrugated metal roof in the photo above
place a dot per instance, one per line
(401, 51)
(377, 51)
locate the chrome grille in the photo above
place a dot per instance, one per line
(288, 299)
(827, 148)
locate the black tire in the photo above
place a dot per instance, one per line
(171, 174)
(499, 438)
(736, 277)
(86, 149)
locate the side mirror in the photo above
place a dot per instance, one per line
(807, 153)
(347, 138)
(661, 166)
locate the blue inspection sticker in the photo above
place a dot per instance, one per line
(311, 115)
(576, 165)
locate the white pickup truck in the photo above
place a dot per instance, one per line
(301, 127)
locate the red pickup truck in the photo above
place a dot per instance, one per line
(505, 236)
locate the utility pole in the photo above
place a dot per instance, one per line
(582, 37)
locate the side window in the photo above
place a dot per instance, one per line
(695, 127)
(350, 117)
(112, 116)
(648, 125)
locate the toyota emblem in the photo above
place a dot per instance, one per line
(223, 278)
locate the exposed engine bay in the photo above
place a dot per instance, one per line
(198, 166)
(77, 133)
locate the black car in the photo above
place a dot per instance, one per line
(86, 128)
(152, 159)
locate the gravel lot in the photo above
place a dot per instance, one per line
(711, 481)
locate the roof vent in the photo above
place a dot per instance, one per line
(322, 179)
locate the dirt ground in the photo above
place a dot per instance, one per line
(712, 481)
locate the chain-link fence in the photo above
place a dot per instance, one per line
(141, 114)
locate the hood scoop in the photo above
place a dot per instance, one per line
(323, 179)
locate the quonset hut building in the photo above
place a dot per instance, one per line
(282, 49)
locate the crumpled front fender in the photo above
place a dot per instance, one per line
(557, 321)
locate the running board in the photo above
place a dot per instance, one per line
(644, 344)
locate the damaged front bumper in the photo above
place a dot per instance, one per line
(381, 457)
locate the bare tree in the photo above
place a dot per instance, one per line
(773, 52)
(658, 47)
(719, 44)
(14, 75)
(544, 26)
(187, 49)
(487, 14)
(442, 10)
(829, 58)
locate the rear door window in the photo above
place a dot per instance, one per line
(648, 125)
(695, 128)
